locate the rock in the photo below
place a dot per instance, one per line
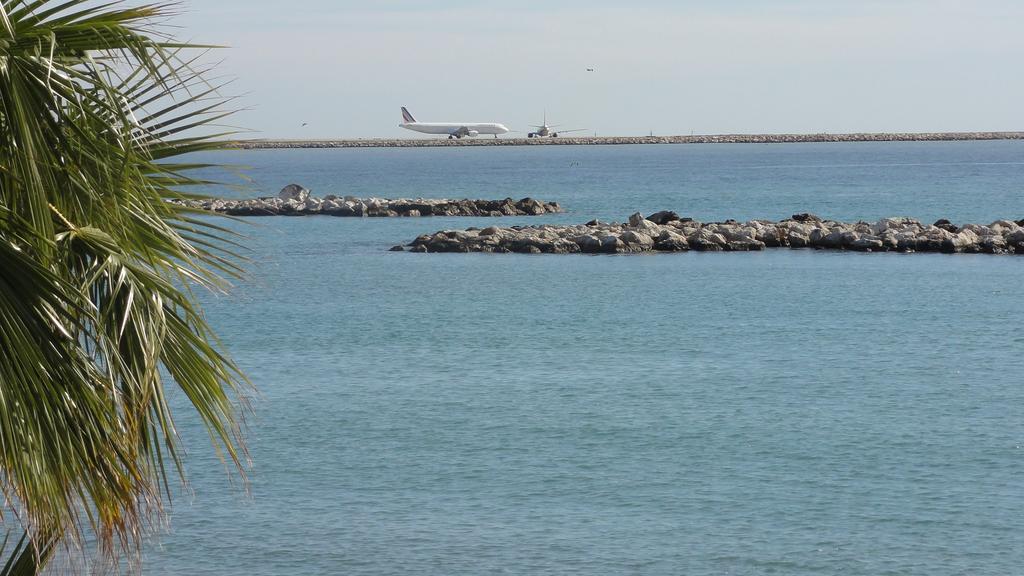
(418, 248)
(593, 223)
(531, 206)
(890, 240)
(935, 240)
(734, 233)
(588, 243)
(293, 192)
(530, 245)
(663, 217)
(744, 245)
(850, 237)
(993, 245)
(490, 231)
(772, 236)
(797, 239)
(946, 225)
(886, 224)
(398, 248)
(833, 240)
(563, 246)
(646, 227)
(637, 238)
(707, 241)
(906, 243)
(1015, 237)
(965, 241)
(291, 208)
(867, 244)
(635, 219)
(1003, 226)
(805, 217)
(611, 244)
(671, 242)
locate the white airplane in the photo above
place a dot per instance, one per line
(452, 129)
(545, 130)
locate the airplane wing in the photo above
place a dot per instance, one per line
(574, 130)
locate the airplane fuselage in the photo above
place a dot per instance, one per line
(456, 129)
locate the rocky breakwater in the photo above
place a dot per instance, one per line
(668, 232)
(603, 140)
(295, 200)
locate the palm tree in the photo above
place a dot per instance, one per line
(98, 321)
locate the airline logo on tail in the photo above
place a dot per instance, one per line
(406, 117)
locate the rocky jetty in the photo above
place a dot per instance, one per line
(611, 140)
(294, 200)
(668, 232)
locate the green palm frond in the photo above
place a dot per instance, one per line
(24, 558)
(97, 316)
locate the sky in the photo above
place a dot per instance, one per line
(668, 67)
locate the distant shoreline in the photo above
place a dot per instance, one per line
(258, 144)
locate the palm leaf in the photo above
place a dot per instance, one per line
(97, 268)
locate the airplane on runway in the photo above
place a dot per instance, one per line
(452, 129)
(544, 130)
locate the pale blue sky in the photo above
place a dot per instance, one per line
(676, 67)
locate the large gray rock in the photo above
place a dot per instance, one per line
(896, 224)
(588, 243)
(946, 225)
(293, 192)
(671, 242)
(1016, 236)
(797, 239)
(663, 217)
(612, 243)
(638, 238)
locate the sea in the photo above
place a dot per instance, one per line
(780, 412)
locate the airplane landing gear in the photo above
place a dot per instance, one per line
(450, 137)
(530, 135)
(554, 135)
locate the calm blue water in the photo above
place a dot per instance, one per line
(784, 412)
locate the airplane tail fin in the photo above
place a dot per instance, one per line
(406, 117)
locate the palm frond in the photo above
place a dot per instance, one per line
(97, 268)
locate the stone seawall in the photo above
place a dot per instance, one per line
(373, 207)
(667, 232)
(612, 140)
